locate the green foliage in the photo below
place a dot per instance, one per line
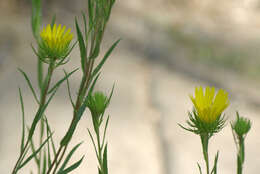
(36, 18)
(68, 158)
(23, 121)
(99, 66)
(54, 53)
(82, 47)
(72, 167)
(33, 154)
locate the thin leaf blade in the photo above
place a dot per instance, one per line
(72, 167)
(69, 157)
(99, 66)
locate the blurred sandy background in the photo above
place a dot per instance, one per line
(168, 47)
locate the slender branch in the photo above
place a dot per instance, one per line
(42, 103)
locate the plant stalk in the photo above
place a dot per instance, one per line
(205, 142)
(44, 93)
(240, 155)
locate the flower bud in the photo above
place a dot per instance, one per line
(97, 103)
(241, 126)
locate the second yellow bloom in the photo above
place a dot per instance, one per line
(209, 106)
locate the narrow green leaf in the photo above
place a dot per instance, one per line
(110, 96)
(90, 12)
(214, 170)
(104, 135)
(199, 168)
(36, 18)
(69, 157)
(24, 154)
(93, 85)
(44, 165)
(105, 160)
(56, 86)
(93, 142)
(84, 21)
(85, 28)
(42, 124)
(32, 145)
(53, 20)
(48, 144)
(29, 84)
(99, 66)
(49, 132)
(72, 167)
(23, 121)
(69, 91)
(38, 115)
(35, 153)
(82, 46)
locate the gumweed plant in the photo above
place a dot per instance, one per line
(54, 44)
(207, 119)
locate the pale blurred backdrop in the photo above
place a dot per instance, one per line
(168, 48)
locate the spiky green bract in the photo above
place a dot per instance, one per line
(241, 126)
(199, 127)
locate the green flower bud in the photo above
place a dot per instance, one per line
(97, 103)
(241, 126)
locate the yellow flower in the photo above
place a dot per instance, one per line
(55, 41)
(209, 106)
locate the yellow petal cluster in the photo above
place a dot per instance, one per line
(56, 39)
(208, 105)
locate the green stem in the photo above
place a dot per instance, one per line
(205, 142)
(55, 160)
(240, 155)
(82, 90)
(59, 161)
(40, 142)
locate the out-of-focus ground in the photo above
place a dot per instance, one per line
(168, 47)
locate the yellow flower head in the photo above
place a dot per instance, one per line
(55, 41)
(209, 106)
